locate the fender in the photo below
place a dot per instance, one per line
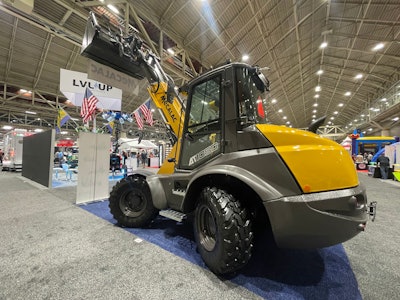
(262, 188)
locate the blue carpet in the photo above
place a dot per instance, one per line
(63, 183)
(271, 273)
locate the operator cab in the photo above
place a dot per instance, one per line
(227, 101)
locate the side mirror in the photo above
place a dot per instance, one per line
(261, 82)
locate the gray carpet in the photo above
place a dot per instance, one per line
(375, 253)
(51, 249)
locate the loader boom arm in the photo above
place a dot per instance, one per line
(128, 55)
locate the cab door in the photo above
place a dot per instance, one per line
(203, 126)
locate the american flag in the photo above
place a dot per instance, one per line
(145, 109)
(88, 106)
(138, 118)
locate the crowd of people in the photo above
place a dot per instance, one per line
(142, 157)
(382, 162)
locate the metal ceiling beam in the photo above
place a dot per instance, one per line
(366, 52)
(101, 3)
(300, 70)
(42, 60)
(72, 7)
(65, 17)
(362, 12)
(363, 20)
(143, 30)
(217, 35)
(11, 48)
(41, 26)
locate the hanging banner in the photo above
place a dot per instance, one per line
(73, 85)
(112, 77)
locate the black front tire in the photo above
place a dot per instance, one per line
(131, 203)
(222, 231)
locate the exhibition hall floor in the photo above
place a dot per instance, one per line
(53, 249)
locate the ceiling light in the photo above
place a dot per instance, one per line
(355, 121)
(314, 111)
(171, 51)
(335, 112)
(378, 47)
(329, 122)
(315, 104)
(7, 127)
(279, 111)
(30, 112)
(340, 104)
(274, 101)
(364, 132)
(113, 8)
(363, 116)
(38, 130)
(314, 116)
(347, 94)
(358, 76)
(323, 45)
(332, 118)
(383, 99)
(245, 57)
(395, 119)
(288, 122)
(319, 72)
(370, 129)
(316, 96)
(23, 91)
(284, 117)
(317, 88)
(313, 120)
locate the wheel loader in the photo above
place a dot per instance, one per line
(230, 171)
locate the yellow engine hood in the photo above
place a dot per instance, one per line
(318, 164)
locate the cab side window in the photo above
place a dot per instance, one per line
(202, 138)
(205, 105)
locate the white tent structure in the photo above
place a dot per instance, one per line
(130, 144)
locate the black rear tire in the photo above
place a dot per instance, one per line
(222, 231)
(131, 203)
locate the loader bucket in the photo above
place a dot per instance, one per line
(103, 48)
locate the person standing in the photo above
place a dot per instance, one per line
(144, 158)
(383, 164)
(124, 157)
(1, 156)
(138, 159)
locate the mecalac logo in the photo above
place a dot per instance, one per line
(168, 108)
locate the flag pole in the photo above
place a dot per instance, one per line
(94, 123)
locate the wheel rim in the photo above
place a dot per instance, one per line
(132, 204)
(207, 228)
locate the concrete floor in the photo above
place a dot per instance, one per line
(52, 249)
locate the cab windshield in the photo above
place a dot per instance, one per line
(252, 97)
